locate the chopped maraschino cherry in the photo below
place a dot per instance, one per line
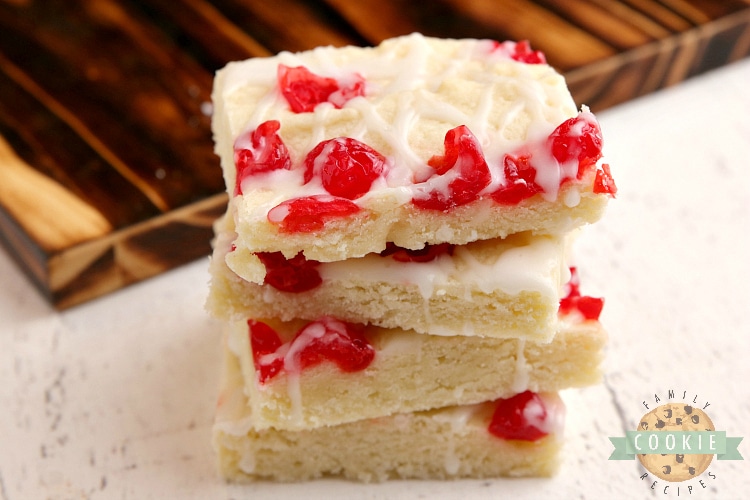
(425, 254)
(304, 90)
(519, 181)
(604, 183)
(589, 307)
(310, 213)
(579, 139)
(521, 52)
(261, 150)
(264, 341)
(521, 417)
(346, 166)
(463, 165)
(293, 275)
(327, 339)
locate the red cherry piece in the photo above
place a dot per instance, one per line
(265, 341)
(519, 417)
(327, 339)
(310, 213)
(261, 150)
(579, 139)
(293, 275)
(519, 181)
(345, 93)
(346, 166)
(332, 340)
(604, 183)
(522, 52)
(589, 307)
(304, 90)
(464, 160)
(426, 254)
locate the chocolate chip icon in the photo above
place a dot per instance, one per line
(676, 417)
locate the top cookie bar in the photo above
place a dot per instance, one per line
(335, 152)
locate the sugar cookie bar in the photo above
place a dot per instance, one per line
(493, 288)
(302, 374)
(437, 444)
(336, 152)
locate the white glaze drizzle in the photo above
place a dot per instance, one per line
(523, 370)
(529, 265)
(554, 424)
(548, 417)
(457, 417)
(290, 353)
(406, 78)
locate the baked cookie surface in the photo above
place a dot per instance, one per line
(507, 288)
(302, 375)
(417, 141)
(445, 443)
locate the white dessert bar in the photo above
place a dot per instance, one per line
(302, 375)
(506, 288)
(523, 437)
(336, 152)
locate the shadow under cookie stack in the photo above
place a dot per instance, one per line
(393, 270)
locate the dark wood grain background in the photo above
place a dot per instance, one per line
(107, 174)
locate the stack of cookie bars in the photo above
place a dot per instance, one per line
(393, 270)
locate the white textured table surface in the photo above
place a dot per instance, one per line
(114, 399)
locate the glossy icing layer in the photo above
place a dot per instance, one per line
(416, 90)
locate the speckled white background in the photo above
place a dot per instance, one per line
(114, 399)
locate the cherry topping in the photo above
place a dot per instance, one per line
(604, 183)
(464, 162)
(589, 307)
(579, 139)
(327, 339)
(310, 213)
(290, 275)
(425, 254)
(519, 417)
(265, 341)
(346, 166)
(261, 150)
(304, 90)
(519, 181)
(521, 52)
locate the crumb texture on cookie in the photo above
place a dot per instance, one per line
(447, 443)
(430, 141)
(408, 372)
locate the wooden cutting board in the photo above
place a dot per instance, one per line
(107, 173)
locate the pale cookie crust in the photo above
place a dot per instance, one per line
(417, 89)
(413, 372)
(440, 444)
(495, 288)
(410, 227)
